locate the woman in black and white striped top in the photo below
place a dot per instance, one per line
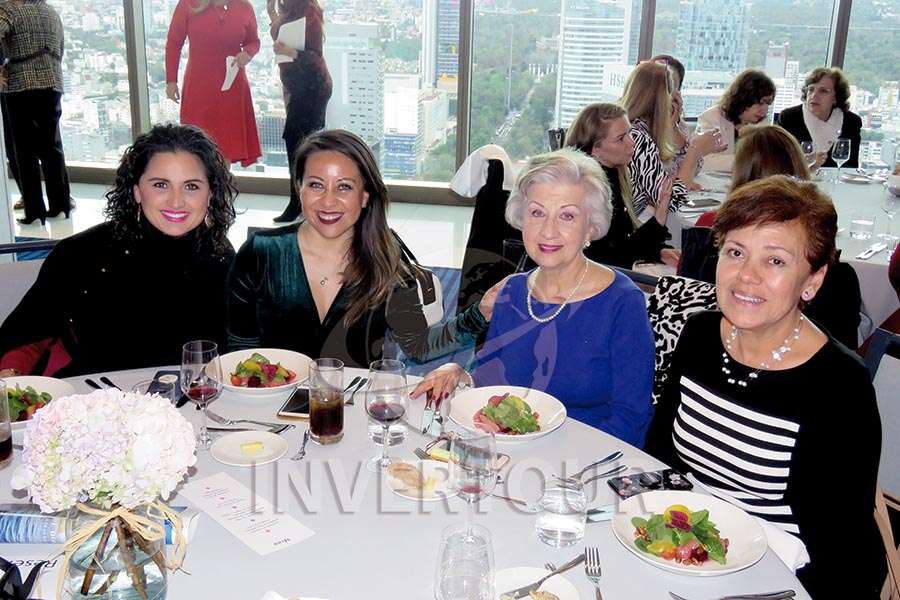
(763, 407)
(648, 101)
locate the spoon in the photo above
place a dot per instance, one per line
(302, 451)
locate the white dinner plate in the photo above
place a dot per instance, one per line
(551, 412)
(227, 449)
(57, 388)
(434, 469)
(296, 362)
(516, 577)
(746, 539)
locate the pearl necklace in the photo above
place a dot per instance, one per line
(777, 354)
(561, 306)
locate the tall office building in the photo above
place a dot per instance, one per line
(712, 35)
(440, 41)
(403, 126)
(356, 62)
(592, 34)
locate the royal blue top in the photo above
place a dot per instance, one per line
(596, 356)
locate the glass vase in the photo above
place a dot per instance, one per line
(124, 566)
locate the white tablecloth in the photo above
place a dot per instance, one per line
(879, 298)
(386, 547)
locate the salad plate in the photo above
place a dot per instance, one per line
(296, 363)
(516, 577)
(56, 388)
(551, 414)
(746, 540)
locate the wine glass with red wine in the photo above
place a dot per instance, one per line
(386, 402)
(201, 380)
(473, 468)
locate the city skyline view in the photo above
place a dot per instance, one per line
(535, 64)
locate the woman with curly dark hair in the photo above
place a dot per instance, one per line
(128, 293)
(745, 102)
(825, 116)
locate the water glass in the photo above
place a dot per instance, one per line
(890, 205)
(809, 153)
(563, 513)
(6, 448)
(862, 225)
(326, 400)
(465, 564)
(165, 386)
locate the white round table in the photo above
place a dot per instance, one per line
(369, 543)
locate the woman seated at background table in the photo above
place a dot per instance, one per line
(332, 285)
(759, 399)
(603, 131)
(648, 102)
(745, 102)
(130, 292)
(572, 328)
(825, 116)
(681, 136)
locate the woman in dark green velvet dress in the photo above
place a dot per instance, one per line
(334, 284)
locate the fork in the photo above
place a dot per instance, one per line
(592, 568)
(223, 421)
(782, 595)
(362, 382)
(421, 454)
(302, 451)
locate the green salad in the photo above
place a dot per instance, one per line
(508, 415)
(23, 403)
(680, 535)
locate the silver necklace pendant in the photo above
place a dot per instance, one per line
(777, 355)
(323, 282)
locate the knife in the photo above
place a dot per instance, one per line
(278, 429)
(428, 416)
(871, 251)
(524, 591)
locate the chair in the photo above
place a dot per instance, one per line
(882, 342)
(673, 300)
(884, 503)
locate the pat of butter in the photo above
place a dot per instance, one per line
(252, 448)
(439, 454)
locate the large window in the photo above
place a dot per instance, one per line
(872, 64)
(717, 39)
(394, 67)
(96, 114)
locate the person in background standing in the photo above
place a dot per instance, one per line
(216, 30)
(31, 35)
(7, 131)
(306, 82)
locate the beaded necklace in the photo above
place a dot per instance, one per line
(777, 354)
(564, 303)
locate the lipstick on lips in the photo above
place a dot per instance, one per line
(549, 247)
(746, 298)
(329, 218)
(174, 216)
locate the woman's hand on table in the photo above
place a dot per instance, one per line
(486, 306)
(284, 50)
(8, 372)
(441, 382)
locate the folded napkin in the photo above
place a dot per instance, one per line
(270, 595)
(786, 547)
(473, 173)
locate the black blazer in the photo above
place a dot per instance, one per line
(792, 120)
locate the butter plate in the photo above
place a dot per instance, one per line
(240, 449)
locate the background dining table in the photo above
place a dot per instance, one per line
(879, 298)
(369, 543)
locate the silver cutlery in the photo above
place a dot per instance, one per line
(606, 459)
(592, 568)
(609, 473)
(782, 595)
(363, 381)
(347, 389)
(550, 566)
(109, 382)
(526, 590)
(18, 447)
(531, 507)
(302, 451)
(223, 421)
(871, 251)
(428, 413)
(276, 430)
(93, 384)
(421, 454)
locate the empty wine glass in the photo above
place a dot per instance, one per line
(840, 153)
(386, 401)
(473, 468)
(890, 205)
(201, 380)
(809, 154)
(465, 564)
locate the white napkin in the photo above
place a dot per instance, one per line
(786, 547)
(473, 173)
(292, 34)
(231, 71)
(270, 595)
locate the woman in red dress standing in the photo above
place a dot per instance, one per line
(215, 30)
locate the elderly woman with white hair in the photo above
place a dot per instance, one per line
(571, 327)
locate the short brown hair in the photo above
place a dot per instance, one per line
(764, 150)
(748, 88)
(779, 199)
(841, 85)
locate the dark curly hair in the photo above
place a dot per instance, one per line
(748, 88)
(122, 209)
(841, 85)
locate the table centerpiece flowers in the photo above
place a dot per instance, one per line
(110, 458)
